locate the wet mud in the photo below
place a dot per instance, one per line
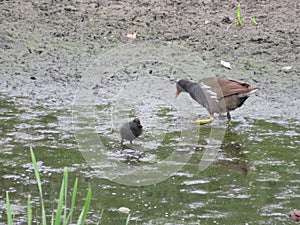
(46, 46)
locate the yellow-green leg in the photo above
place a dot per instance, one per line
(202, 122)
(229, 118)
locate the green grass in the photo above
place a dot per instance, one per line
(63, 215)
(128, 218)
(38, 180)
(9, 216)
(29, 211)
(253, 21)
(239, 16)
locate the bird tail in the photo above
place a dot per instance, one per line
(252, 90)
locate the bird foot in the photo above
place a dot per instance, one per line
(202, 122)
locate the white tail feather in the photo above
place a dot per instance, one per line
(247, 94)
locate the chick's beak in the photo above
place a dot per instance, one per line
(177, 93)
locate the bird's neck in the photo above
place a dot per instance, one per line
(188, 86)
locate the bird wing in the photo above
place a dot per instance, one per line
(198, 94)
(231, 87)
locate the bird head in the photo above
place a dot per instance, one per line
(138, 122)
(180, 87)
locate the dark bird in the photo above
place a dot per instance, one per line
(217, 95)
(130, 131)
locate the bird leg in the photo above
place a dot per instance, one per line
(229, 118)
(202, 122)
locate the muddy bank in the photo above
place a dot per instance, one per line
(45, 47)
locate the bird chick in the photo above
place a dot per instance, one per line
(131, 130)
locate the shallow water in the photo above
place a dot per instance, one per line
(251, 174)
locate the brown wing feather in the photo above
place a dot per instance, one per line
(230, 87)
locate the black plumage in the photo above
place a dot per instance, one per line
(130, 131)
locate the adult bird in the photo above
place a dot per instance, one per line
(131, 130)
(217, 95)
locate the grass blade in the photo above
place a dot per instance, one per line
(85, 209)
(239, 16)
(253, 20)
(70, 216)
(9, 216)
(29, 212)
(66, 178)
(38, 179)
(100, 217)
(60, 203)
(52, 219)
(128, 218)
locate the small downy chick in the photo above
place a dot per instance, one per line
(130, 131)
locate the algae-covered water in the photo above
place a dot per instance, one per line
(252, 177)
